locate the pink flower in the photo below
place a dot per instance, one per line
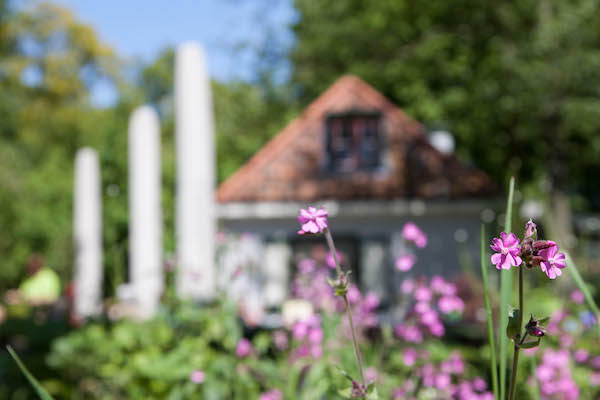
(553, 262)
(243, 348)
(315, 336)
(197, 376)
(331, 261)
(421, 241)
(405, 263)
(507, 250)
(423, 294)
(316, 351)
(407, 286)
(442, 381)
(280, 339)
(595, 379)
(370, 374)
(448, 304)
(371, 301)
(438, 284)
(479, 384)
(581, 356)
(300, 330)
(411, 232)
(353, 295)
(437, 329)
(312, 220)
(577, 297)
(271, 395)
(409, 357)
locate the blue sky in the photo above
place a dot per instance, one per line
(229, 30)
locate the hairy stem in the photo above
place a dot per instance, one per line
(348, 311)
(355, 342)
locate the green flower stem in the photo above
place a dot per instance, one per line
(348, 312)
(513, 378)
(490, 321)
(355, 342)
(505, 296)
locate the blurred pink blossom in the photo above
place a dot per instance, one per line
(197, 376)
(405, 262)
(243, 348)
(577, 296)
(271, 395)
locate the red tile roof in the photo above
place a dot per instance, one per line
(290, 166)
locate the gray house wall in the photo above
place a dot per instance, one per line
(375, 228)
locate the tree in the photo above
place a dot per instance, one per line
(48, 62)
(518, 82)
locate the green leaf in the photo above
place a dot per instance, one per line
(505, 294)
(345, 373)
(372, 392)
(513, 329)
(543, 321)
(530, 345)
(346, 393)
(41, 392)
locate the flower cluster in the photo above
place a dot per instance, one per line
(431, 300)
(444, 380)
(308, 334)
(411, 233)
(310, 284)
(554, 375)
(364, 308)
(509, 252)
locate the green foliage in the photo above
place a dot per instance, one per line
(513, 328)
(41, 392)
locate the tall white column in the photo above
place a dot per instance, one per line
(87, 231)
(195, 208)
(145, 216)
(276, 266)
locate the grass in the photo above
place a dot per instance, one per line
(488, 310)
(505, 295)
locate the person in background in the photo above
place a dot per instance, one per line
(42, 286)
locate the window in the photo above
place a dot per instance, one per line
(353, 142)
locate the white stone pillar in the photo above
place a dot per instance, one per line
(145, 215)
(195, 203)
(87, 230)
(276, 268)
(374, 263)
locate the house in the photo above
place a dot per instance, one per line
(372, 167)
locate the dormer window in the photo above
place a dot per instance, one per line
(353, 142)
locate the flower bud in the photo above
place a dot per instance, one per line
(534, 328)
(543, 244)
(530, 229)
